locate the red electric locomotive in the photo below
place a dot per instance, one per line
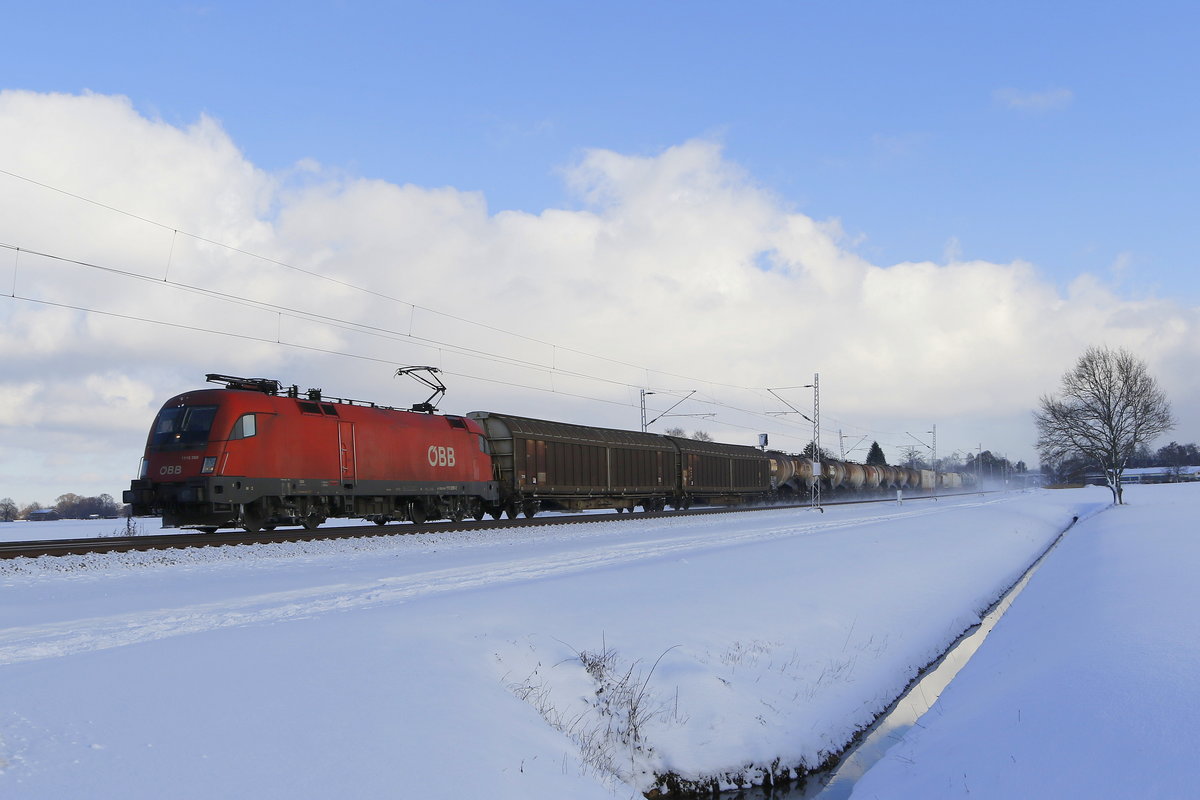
(255, 455)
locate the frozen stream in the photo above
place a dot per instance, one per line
(904, 713)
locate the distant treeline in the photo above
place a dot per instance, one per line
(68, 506)
(1171, 456)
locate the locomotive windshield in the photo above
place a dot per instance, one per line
(182, 427)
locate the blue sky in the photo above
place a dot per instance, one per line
(1064, 134)
(649, 183)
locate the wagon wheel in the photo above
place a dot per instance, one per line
(531, 508)
(511, 509)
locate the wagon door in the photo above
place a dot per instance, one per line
(346, 456)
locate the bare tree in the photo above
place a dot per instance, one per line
(699, 436)
(1109, 406)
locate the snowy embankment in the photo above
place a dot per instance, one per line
(23, 530)
(1088, 685)
(707, 647)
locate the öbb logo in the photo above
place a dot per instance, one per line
(441, 456)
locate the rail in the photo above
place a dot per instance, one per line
(118, 544)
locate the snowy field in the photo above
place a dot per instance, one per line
(22, 530)
(1088, 686)
(570, 661)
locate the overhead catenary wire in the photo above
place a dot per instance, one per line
(299, 314)
(337, 281)
(281, 311)
(284, 311)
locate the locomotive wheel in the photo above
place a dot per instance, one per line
(457, 512)
(252, 520)
(416, 512)
(477, 510)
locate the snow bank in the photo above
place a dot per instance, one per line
(1087, 687)
(711, 648)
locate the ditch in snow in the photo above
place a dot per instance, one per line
(838, 782)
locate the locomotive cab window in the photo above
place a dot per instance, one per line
(244, 428)
(182, 427)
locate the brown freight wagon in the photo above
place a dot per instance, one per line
(543, 464)
(539, 464)
(722, 474)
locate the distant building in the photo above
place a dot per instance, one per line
(43, 515)
(1150, 475)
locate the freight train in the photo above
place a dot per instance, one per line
(256, 454)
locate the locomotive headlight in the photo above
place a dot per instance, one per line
(210, 463)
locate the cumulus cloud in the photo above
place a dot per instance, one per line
(1047, 100)
(677, 272)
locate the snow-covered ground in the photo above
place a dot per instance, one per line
(1089, 686)
(533, 664)
(23, 530)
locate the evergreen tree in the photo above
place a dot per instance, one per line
(875, 456)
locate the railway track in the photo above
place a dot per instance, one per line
(117, 544)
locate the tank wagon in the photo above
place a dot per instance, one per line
(255, 454)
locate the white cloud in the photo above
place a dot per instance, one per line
(679, 269)
(1047, 100)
